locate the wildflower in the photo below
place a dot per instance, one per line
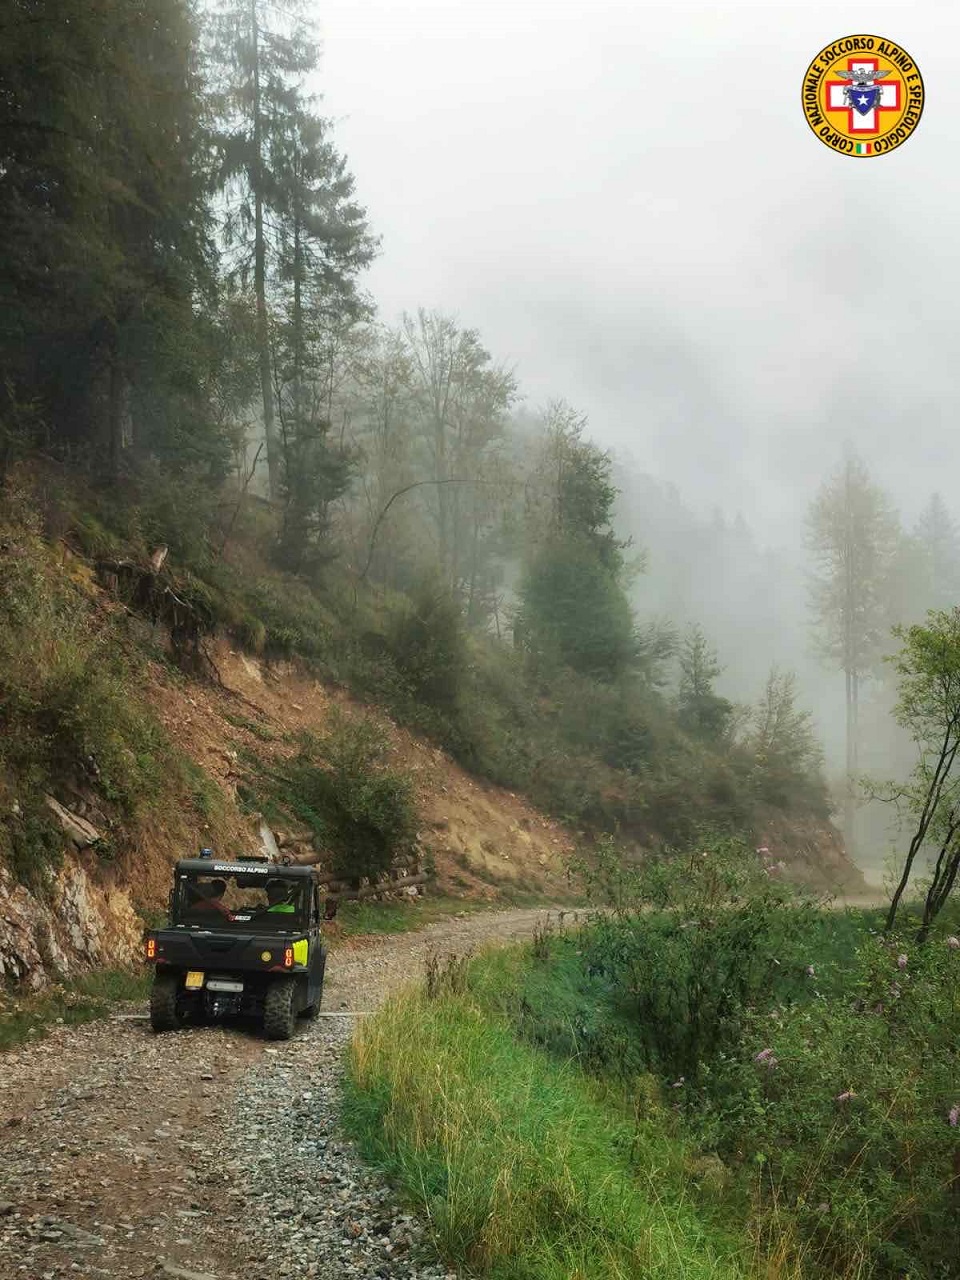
(845, 1096)
(953, 1116)
(763, 1055)
(953, 942)
(811, 972)
(901, 961)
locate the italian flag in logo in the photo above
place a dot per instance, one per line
(862, 148)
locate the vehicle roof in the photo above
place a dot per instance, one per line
(269, 870)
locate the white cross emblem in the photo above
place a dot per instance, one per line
(888, 100)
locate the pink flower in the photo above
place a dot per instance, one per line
(953, 1116)
(901, 962)
(845, 1096)
(763, 1055)
(953, 942)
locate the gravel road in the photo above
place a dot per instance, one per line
(209, 1154)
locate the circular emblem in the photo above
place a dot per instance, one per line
(266, 956)
(862, 95)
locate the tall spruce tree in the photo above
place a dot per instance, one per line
(290, 214)
(102, 204)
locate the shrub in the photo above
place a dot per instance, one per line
(426, 641)
(360, 809)
(34, 848)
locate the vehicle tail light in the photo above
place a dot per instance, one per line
(151, 948)
(288, 958)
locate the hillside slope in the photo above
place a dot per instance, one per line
(114, 763)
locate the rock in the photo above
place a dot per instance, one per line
(168, 1269)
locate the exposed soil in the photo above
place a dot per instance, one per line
(481, 838)
(209, 1153)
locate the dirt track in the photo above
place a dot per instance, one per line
(208, 1154)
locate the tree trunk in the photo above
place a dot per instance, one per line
(849, 809)
(260, 269)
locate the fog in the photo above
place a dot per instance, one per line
(628, 204)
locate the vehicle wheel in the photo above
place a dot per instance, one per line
(163, 1003)
(279, 1015)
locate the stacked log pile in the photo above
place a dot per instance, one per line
(406, 878)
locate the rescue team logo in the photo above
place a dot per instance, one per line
(863, 95)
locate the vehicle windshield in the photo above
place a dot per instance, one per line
(241, 902)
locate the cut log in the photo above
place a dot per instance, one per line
(80, 832)
(370, 890)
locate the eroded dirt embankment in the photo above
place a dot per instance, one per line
(208, 1152)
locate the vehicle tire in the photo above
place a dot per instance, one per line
(163, 1003)
(279, 1012)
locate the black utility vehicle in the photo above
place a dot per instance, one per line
(243, 939)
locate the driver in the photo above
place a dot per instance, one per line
(279, 898)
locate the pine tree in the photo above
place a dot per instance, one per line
(939, 540)
(852, 532)
(102, 203)
(700, 710)
(291, 217)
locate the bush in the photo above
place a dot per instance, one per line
(356, 806)
(34, 848)
(523, 1171)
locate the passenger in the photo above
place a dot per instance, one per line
(211, 898)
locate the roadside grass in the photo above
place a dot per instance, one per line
(356, 919)
(93, 996)
(525, 1168)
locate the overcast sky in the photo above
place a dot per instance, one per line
(626, 201)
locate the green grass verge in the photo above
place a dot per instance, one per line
(93, 996)
(525, 1169)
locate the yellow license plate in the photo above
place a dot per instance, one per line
(194, 980)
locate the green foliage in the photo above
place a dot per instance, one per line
(71, 716)
(575, 612)
(34, 848)
(928, 707)
(358, 807)
(816, 1059)
(701, 711)
(523, 1170)
(785, 756)
(849, 1112)
(428, 647)
(92, 996)
(102, 200)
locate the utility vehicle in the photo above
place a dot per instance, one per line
(243, 940)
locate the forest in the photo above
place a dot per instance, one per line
(206, 421)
